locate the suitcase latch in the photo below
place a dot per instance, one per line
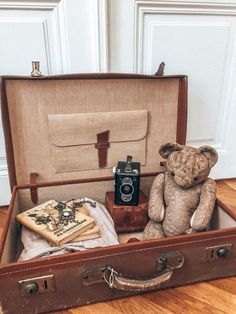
(218, 252)
(37, 285)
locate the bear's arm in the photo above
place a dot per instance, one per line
(202, 215)
(156, 209)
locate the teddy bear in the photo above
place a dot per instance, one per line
(182, 199)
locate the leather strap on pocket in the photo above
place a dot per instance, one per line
(33, 187)
(102, 146)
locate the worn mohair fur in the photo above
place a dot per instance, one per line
(182, 199)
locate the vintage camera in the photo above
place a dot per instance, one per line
(127, 178)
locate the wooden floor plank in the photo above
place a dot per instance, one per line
(133, 305)
(209, 294)
(179, 302)
(60, 312)
(3, 219)
(3, 216)
(226, 284)
(102, 307)
(227, 197)
(231, 183)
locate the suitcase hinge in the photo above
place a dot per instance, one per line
(33, 187)
(36, 69)
(160, 71)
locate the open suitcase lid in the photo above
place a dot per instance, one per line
(78, 126)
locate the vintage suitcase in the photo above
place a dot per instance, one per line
(52, 126)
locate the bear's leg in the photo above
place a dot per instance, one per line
(153, 230)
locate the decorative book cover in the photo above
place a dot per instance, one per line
(58, 222)
(92, 233)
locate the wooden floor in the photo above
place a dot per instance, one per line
(217, 296)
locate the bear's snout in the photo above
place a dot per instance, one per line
(184, 182)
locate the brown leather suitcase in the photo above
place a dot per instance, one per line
(47, 134)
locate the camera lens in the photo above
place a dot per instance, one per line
(126, 189)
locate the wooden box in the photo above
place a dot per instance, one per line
(51, 126)
(128, 218)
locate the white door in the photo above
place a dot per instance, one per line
(193, 38)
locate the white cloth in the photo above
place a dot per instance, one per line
(35, 246)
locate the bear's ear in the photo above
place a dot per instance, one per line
(210, 153)
(168, 148)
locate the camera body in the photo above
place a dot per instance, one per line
(127, 181)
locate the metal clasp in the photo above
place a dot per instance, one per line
(171, 260)
(36, 69)
(37, 285)
(160, 71)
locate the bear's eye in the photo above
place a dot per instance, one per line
(173, 174)
(195, 179)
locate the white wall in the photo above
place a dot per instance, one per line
(193, 38)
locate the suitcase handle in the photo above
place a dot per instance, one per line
(166, 264)
(122, 282)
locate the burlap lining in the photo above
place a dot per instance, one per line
(73, 138)
(31, 103)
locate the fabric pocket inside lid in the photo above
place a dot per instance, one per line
(74, 137)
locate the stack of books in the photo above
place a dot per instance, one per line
(60, 222)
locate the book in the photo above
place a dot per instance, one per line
(55, 221)
(90, 234)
